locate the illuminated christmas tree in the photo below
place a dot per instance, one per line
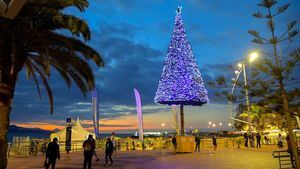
(181, 82)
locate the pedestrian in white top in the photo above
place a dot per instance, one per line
(112, 138)
(280, 141)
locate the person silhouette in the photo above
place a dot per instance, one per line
(52, 153)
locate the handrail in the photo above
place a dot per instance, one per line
(279, 153)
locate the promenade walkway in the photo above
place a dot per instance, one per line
(244, 158)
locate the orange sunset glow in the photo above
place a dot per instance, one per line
(123, 123)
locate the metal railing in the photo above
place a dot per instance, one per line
(25, 148)
(284, 159)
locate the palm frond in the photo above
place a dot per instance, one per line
(46, 85)
(62, 4)
(32, 74)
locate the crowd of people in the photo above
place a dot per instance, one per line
(250, 138)
(53, 153)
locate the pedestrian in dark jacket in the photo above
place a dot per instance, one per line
(214, 140)
(258, 139)
(197, 140)
(133, 145)
(174, 142)
(251, 139)
(246, 139)
(109, 149)
(52, 153)
(89, 148)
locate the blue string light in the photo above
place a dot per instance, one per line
(181, 82)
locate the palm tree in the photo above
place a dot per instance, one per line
(260, 117)
(35, 41)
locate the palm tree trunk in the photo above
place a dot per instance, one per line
(11, 63)
(7, 88)
(4, 119)
(6, 96)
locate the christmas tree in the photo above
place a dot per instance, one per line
(181, 82)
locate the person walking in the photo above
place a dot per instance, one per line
(258, 139)
(133, 145)
(88, 151)
(143, 145)
(52, 153)
(214, 140)
(44, 147)
(127, 145)
(280, 141)
(35, 148)
(112, 138)
(246, 139)
(197, 140)
(251, 139)
(174, 142)
(119, 146)
(266, 139)
(109, 149)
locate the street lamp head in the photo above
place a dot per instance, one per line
(229, 124)
(240, 65)
(220, 124)
(163, 124)
(214, 125)
(253, 56)
(209, 123)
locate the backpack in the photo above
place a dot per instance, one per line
(87, 146)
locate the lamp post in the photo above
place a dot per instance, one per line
(247, 95)
(242, 68)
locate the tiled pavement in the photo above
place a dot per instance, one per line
(244, 158)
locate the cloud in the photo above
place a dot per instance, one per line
(128, 65)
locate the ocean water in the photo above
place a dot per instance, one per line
(46, 134)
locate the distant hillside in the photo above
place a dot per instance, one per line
(23, 132)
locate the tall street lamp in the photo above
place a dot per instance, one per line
(242, 68)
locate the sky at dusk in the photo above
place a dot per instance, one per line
(133, 38)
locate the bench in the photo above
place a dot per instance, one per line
(283, 158)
